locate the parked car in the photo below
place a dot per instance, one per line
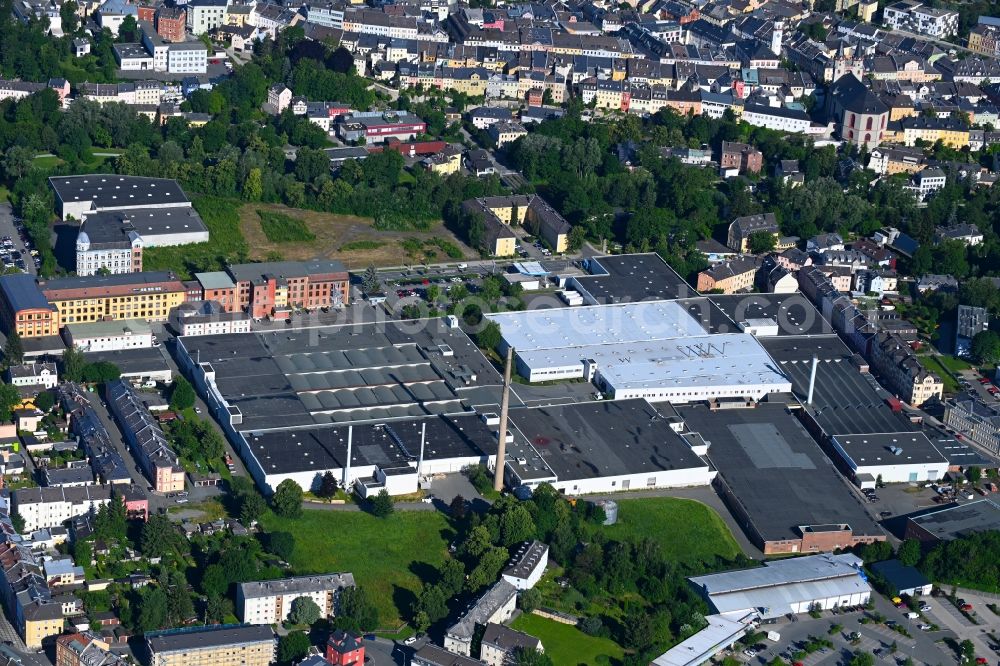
(924, 608)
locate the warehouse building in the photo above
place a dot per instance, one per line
(115, 240)
(79, 196)
(652, 350)
(776, 481)
(954, 521)
(101, 336)
(600, 447)
(896, 457)
(795, 585)
(629, 278)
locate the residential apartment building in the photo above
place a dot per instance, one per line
(531, 212)
(730, 277)
(25, 594)
(206, 15)
(142, 432)
(42, 508)
(742, 228)
(85, 649)
(505, 132)
(901, 371)
(915, 16)
(495, 606)
(985, 39)
(150, 296)
(269, 602)
(39, 375)
(212, 645)
(948, 131)
(500, 645)
(24, 309)
(170, 23)
(975, 420)
(741, 157)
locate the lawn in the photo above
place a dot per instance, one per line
(954, 363)
(281, 228)
(388, 556)
(935, 365)
(226, 243)
(347, 238)
(688, 531)
(567, 645)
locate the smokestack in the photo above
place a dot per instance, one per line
(812, 381)
(347, 466)
(502, 436)
(423, 440)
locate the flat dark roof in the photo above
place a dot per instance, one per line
(794, 314)
(104, 281)
(109, 190)
(627, 278)
(845, 401)
(898, 575)
(958, 521)
(779, 475)
(709, 315)
(595, 439)
(388, 445)
(876, 449)
(138, 360)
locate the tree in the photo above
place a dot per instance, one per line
(253, 185)
(73, 364)
(381, 504)
(357, 611)
(862, 659)
(45, 401)
(328, 485)
(489, 337)
(127, 31)
(637, 629)
(111, 521)
(432, 604)
(761, 242)
(369, 281)
(293, 647)
(152, 605)
(304, 611)
(974, 473)
(529, 600)
(516, 525)
(158, 536)
(252, 507)
(281, 544)
(287, 499)
(101, 372)
(182, 396)
(9, 398)
(531, 656)
(985, 347)
(909, 552)
(13, 351)
(18, 521)
(457, 507)
(968, 650)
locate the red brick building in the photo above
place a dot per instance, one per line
(274, 289)
(345, 649)
(741, 156)
(170, 23)
(145, 13)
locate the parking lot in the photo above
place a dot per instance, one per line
(15, 248)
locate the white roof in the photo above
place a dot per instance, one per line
(559, 328)
(720, 632)
(775, 587)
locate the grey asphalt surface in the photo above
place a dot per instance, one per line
(7, 228)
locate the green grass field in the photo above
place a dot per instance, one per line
(954, 363)
(281, 228)
(388, 556)
(226, 243)
(935, 365)
(688, 531)
(567, 645)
